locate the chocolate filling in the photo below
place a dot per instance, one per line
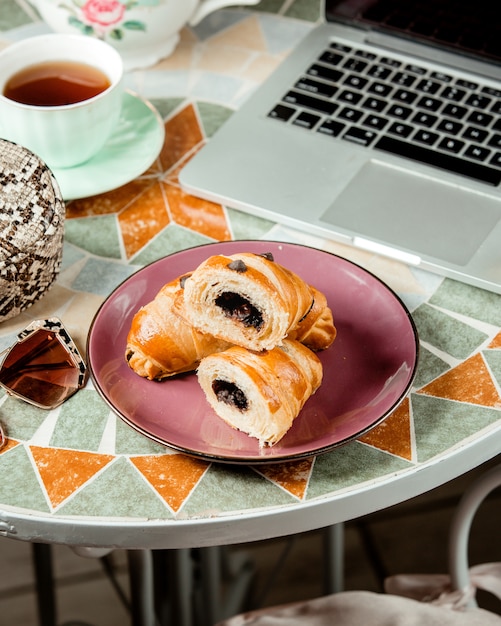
(238, 308)
(229, 393)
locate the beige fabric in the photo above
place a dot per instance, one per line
(360, 608)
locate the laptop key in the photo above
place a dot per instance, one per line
(402, 95)
(402, 130)
(331, 128)
(478, 101)
(355, 81)
(310, 102)
(451, 144)
(332, 58)
(477, 152)
(360, 135)
(375, 121)
(450, 126)
(426, 137)
(435, 158)
(475, 134)
(351, 97)
(399, 111)
(350, 115)
(306, 120)
(453, 93)
(281, 112)
(479, 118)
(374, 104)
(326, 73)
(496, 159)
(316, 87)
(454, 110)
(495, 141)
(424, 119)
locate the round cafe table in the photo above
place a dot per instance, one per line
(80, 476)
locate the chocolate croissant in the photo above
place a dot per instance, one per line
(246, 299)
(316, 330)
(260, 393)
(160, 343)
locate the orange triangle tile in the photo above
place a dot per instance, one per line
(64, 471)
(173, 476)
(393, 435)
(245, 34)
(201, 216)
(469, 382)
(9, 444)
(143, 219)
(107, 203)
(182, 134)
(293, 476)
(173, 175)
(496, 342)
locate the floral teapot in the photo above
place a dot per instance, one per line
(143, 31)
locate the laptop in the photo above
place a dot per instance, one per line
(382, 129)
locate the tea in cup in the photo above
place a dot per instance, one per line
(60, 96)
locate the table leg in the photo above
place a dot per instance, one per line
(44, 580)
(141, 587)
(333, 558)
(174, 587)
(225, 579)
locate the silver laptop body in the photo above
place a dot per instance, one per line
(355, 159)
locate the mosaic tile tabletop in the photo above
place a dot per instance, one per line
(82, 464)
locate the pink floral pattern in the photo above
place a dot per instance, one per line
(103, 13)
(103, 18)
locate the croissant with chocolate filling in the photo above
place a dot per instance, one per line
(246, 299)
(161, 344)
(316, 330)
(260, 393)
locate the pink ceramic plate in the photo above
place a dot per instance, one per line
(367, 371)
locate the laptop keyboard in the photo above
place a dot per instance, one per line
(405, 109)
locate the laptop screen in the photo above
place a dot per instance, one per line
(470, 27)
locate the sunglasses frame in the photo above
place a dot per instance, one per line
(54, 325)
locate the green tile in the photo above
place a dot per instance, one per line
(12, 15)
(213, 116)
(269, 6)
(71, 255)
(97, 235)
(493, 358)
(430, 367)
(101, 277)
(20, 419)
(440, 424)
(119, 491)
(19, 485)
(247, 226)
(129, 441)
(349, 465)
(81, 422)
(172, 239)
(470, 301)
(216, 492)
(446, 333)
(309, 10)
(165, 106)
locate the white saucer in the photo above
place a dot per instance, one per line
(132, 148)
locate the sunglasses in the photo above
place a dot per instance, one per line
(44, 367)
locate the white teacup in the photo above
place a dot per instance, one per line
(63, 135)
(143, 31)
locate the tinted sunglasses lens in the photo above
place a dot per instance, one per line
(40, 370)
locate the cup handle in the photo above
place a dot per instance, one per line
(208, 6)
